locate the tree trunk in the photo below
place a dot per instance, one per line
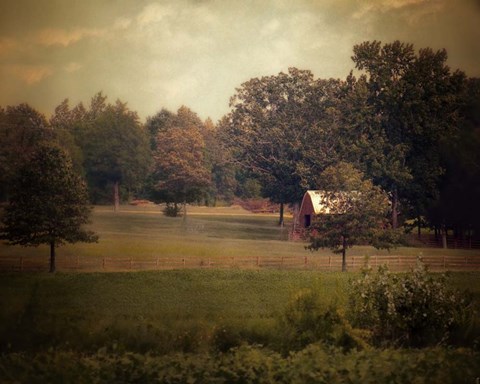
(444, 236)
(52, 256)
(281, 221)
(419, 227)
(344, 254)
(116, 197)
(296, 212)
(184, 211)
(395, 208)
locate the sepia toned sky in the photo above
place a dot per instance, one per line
(168, 53)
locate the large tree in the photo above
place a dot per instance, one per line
(357, 212)
(280, 128)
(414, 99)
(21, 129)
(49, 203)
(180, 173)
(115, 149)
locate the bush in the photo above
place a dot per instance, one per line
(306, 321)
(172, 210)
(415, 309)
(314, 364)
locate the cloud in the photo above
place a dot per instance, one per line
(411, 10)
(30, 74)
(153, 13)
(72, 67)
(62, 37)
(122, 23)
(7, 45)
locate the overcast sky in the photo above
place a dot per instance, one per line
(164, 54)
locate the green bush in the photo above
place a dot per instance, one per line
(314, 364)
(172, 210)
(308, 320)
(414, 309)
(233, 334)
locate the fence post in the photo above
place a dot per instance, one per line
(353, 262)
(258, 261)
(183, 261)
(103, 263)
(329, 263)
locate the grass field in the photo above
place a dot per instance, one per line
(139, 232)
(142, 326)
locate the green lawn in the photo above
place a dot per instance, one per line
(140, 232)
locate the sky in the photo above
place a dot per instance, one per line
(165, 54)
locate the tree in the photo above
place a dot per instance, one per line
(357, 212)
(280, 129)
(457, 205)
(49, 203)
(414, 99)
(180, 174)
(64, 122)
(115, 149)
(21, 129)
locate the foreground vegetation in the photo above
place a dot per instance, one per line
(199, 326)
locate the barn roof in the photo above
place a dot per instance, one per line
(318, 199)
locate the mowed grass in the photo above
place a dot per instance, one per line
(144, 232)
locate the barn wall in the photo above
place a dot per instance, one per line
(306, 209)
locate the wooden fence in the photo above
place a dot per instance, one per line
(311, 262)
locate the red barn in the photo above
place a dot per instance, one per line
(313, 204)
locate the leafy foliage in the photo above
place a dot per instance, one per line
(281, 130)
(357, 209)
(180, 174)
(416, 102)
(49, 204)
(415, 309)
(22, 128)
(307, 320)
(315, 364)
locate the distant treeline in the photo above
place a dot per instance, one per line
(403, 119)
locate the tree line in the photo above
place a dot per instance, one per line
(401, 121)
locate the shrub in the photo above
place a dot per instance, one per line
(306, 320)
(413, 309)
(172, 210)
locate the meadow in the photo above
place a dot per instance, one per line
(143, 232)
(195, 325)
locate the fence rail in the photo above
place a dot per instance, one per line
(320, 263)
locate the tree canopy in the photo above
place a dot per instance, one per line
(358, 212)
(49, 203)
(415, 99)
(115, 149)
(180, 174)
(279, 128)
